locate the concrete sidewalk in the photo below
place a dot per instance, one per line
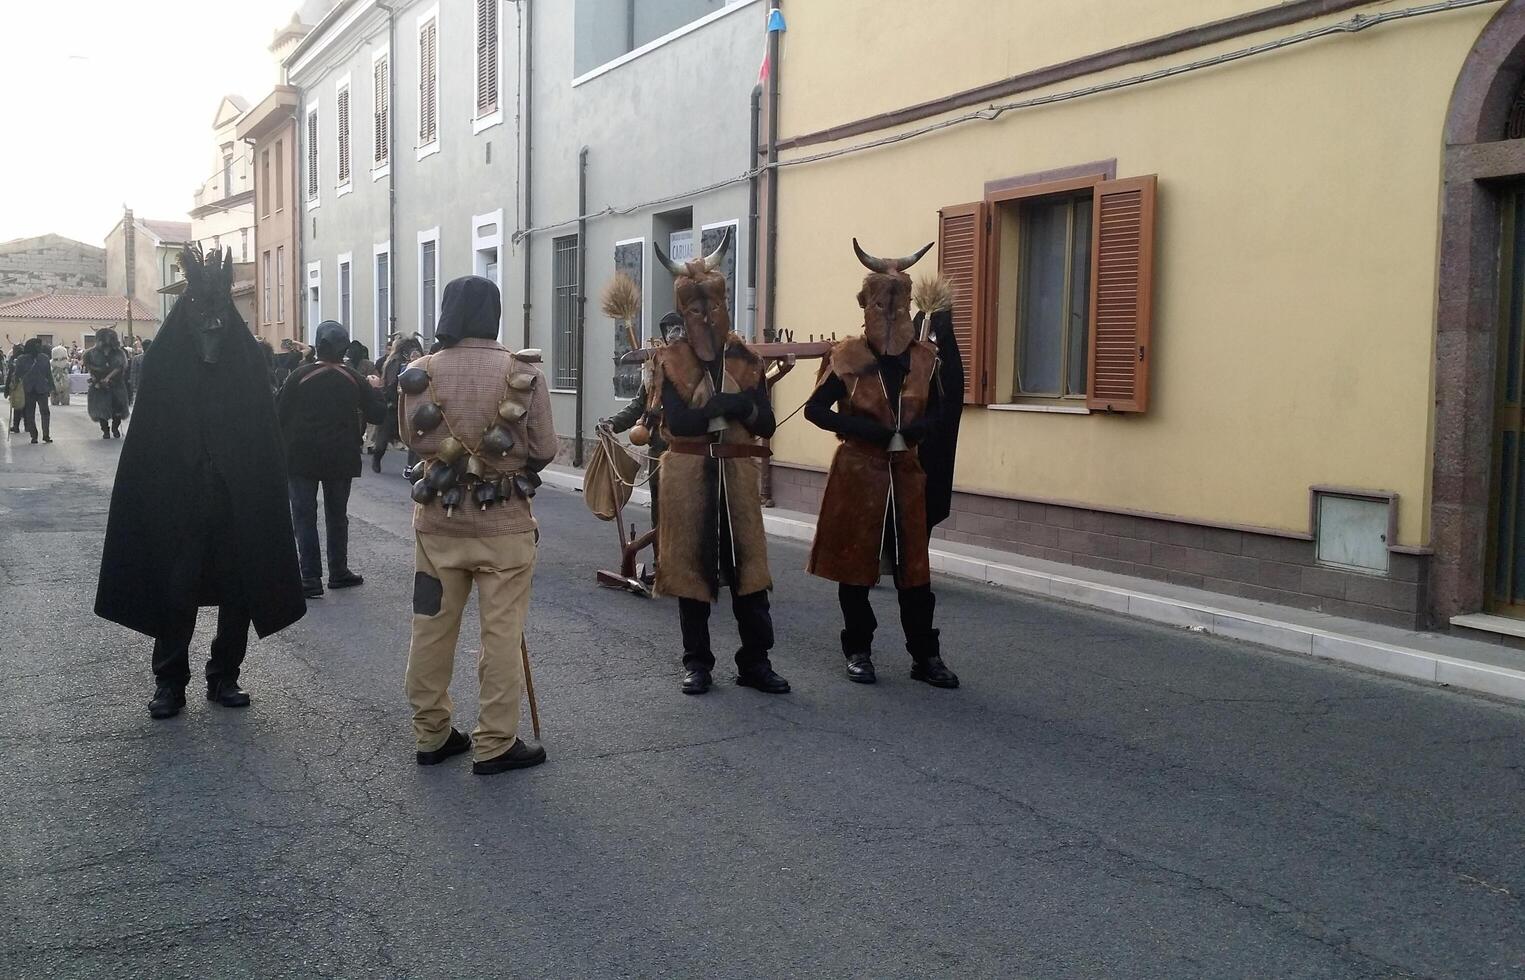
(1431, 657)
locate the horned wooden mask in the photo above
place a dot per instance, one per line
(699, 289)
(886, 301)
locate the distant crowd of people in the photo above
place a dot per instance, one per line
(36, 377)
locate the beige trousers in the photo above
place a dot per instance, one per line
(502, 567)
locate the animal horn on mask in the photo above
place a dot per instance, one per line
(712, 260)
(875, 264)
(676, 268)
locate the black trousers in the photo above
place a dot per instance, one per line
(172, 651)
(917, 606)
(34, 403)
(304, 518)
(753, 621)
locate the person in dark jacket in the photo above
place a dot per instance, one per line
(10, 384)
(405, 350)
(107, 398)
(33, 371)
(320, 408)
(199, 513)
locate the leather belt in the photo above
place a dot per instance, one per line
(719, 450)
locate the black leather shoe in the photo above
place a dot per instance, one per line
(312, 588)
(696, 681)
(860, 669)
(521, 756)
(228, 694)
(933, 671)
(455, 744)
(167, 702)
(345, 579)
(764, 679)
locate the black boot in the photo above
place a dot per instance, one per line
(116, 428)
(344, 579)
(860, 665)
(762, 677)
(312, 588)
(105, 430)
(227, 693)
(46, 436)
(927, 663)
(167, 701)
(696, 681)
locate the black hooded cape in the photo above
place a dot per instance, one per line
(199, 512)
(938, 450)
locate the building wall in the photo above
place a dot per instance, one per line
(277, 232)
(82, 332)
(50, 262)
(1296, 246)
(156, 264)
(215, 217)
(671, 120)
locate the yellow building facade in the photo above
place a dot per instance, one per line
(1254, 197)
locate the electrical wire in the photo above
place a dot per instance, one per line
(993, 112)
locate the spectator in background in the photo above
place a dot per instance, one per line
(320, 408)
(33, 372)
(135, 369)
(405, 350)
(107, 364)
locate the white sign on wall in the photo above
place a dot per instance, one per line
(680, 247)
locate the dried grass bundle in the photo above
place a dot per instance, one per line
(621, 299)
(933, 294)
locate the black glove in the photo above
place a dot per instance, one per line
(730, 404)
(916, 431)
(866, 429)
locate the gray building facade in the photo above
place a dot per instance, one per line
(488, 106)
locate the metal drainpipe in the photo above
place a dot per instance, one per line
(582, 296)
(391, 168)
(752, 216)
(529, 155)
(770, 328)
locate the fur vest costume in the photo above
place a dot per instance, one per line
(697, 493)
(875, 501)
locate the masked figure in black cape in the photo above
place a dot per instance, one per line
(893, 399)
(199, 513)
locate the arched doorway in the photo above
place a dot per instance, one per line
(1473, 509)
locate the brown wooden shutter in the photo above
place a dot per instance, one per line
(963, 233)
(487, 56)
(428, 81)
(344, 160)
(381, 102)
(1122, 295)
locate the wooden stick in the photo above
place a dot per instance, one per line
(529, 686)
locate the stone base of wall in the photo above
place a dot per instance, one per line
(1239, 562)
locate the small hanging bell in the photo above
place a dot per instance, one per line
(511, 411)
(485, 494)
(476, 467)
(897, 443)
(414, 380)
(450, 500)
(426, 418)
(521, 382)
(441, 475)
(497, 441)
(415, 472)
(450, 449)
(422, 493)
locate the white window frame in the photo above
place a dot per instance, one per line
(494, 240)
(734, 224)
(646, 319)
(385, 170)
(480, 123)
(343, 85)
(381, 319)
(432, 13)
(314, 313)
(311, 161)
(345, 259)
(424, 237)
(731, 7)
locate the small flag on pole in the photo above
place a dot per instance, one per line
(776, 25)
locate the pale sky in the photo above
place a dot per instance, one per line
(110, 102)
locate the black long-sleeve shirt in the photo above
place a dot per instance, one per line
(683, 420)
(821, 412)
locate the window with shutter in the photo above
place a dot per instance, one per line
(428, 84)
(312, 156)
(487, 56)
(1122, 294)
(961, 259)
(343, 141)
(380, 99)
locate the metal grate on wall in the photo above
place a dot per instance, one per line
(566, 366)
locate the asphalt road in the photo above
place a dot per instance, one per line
(1101, 798)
